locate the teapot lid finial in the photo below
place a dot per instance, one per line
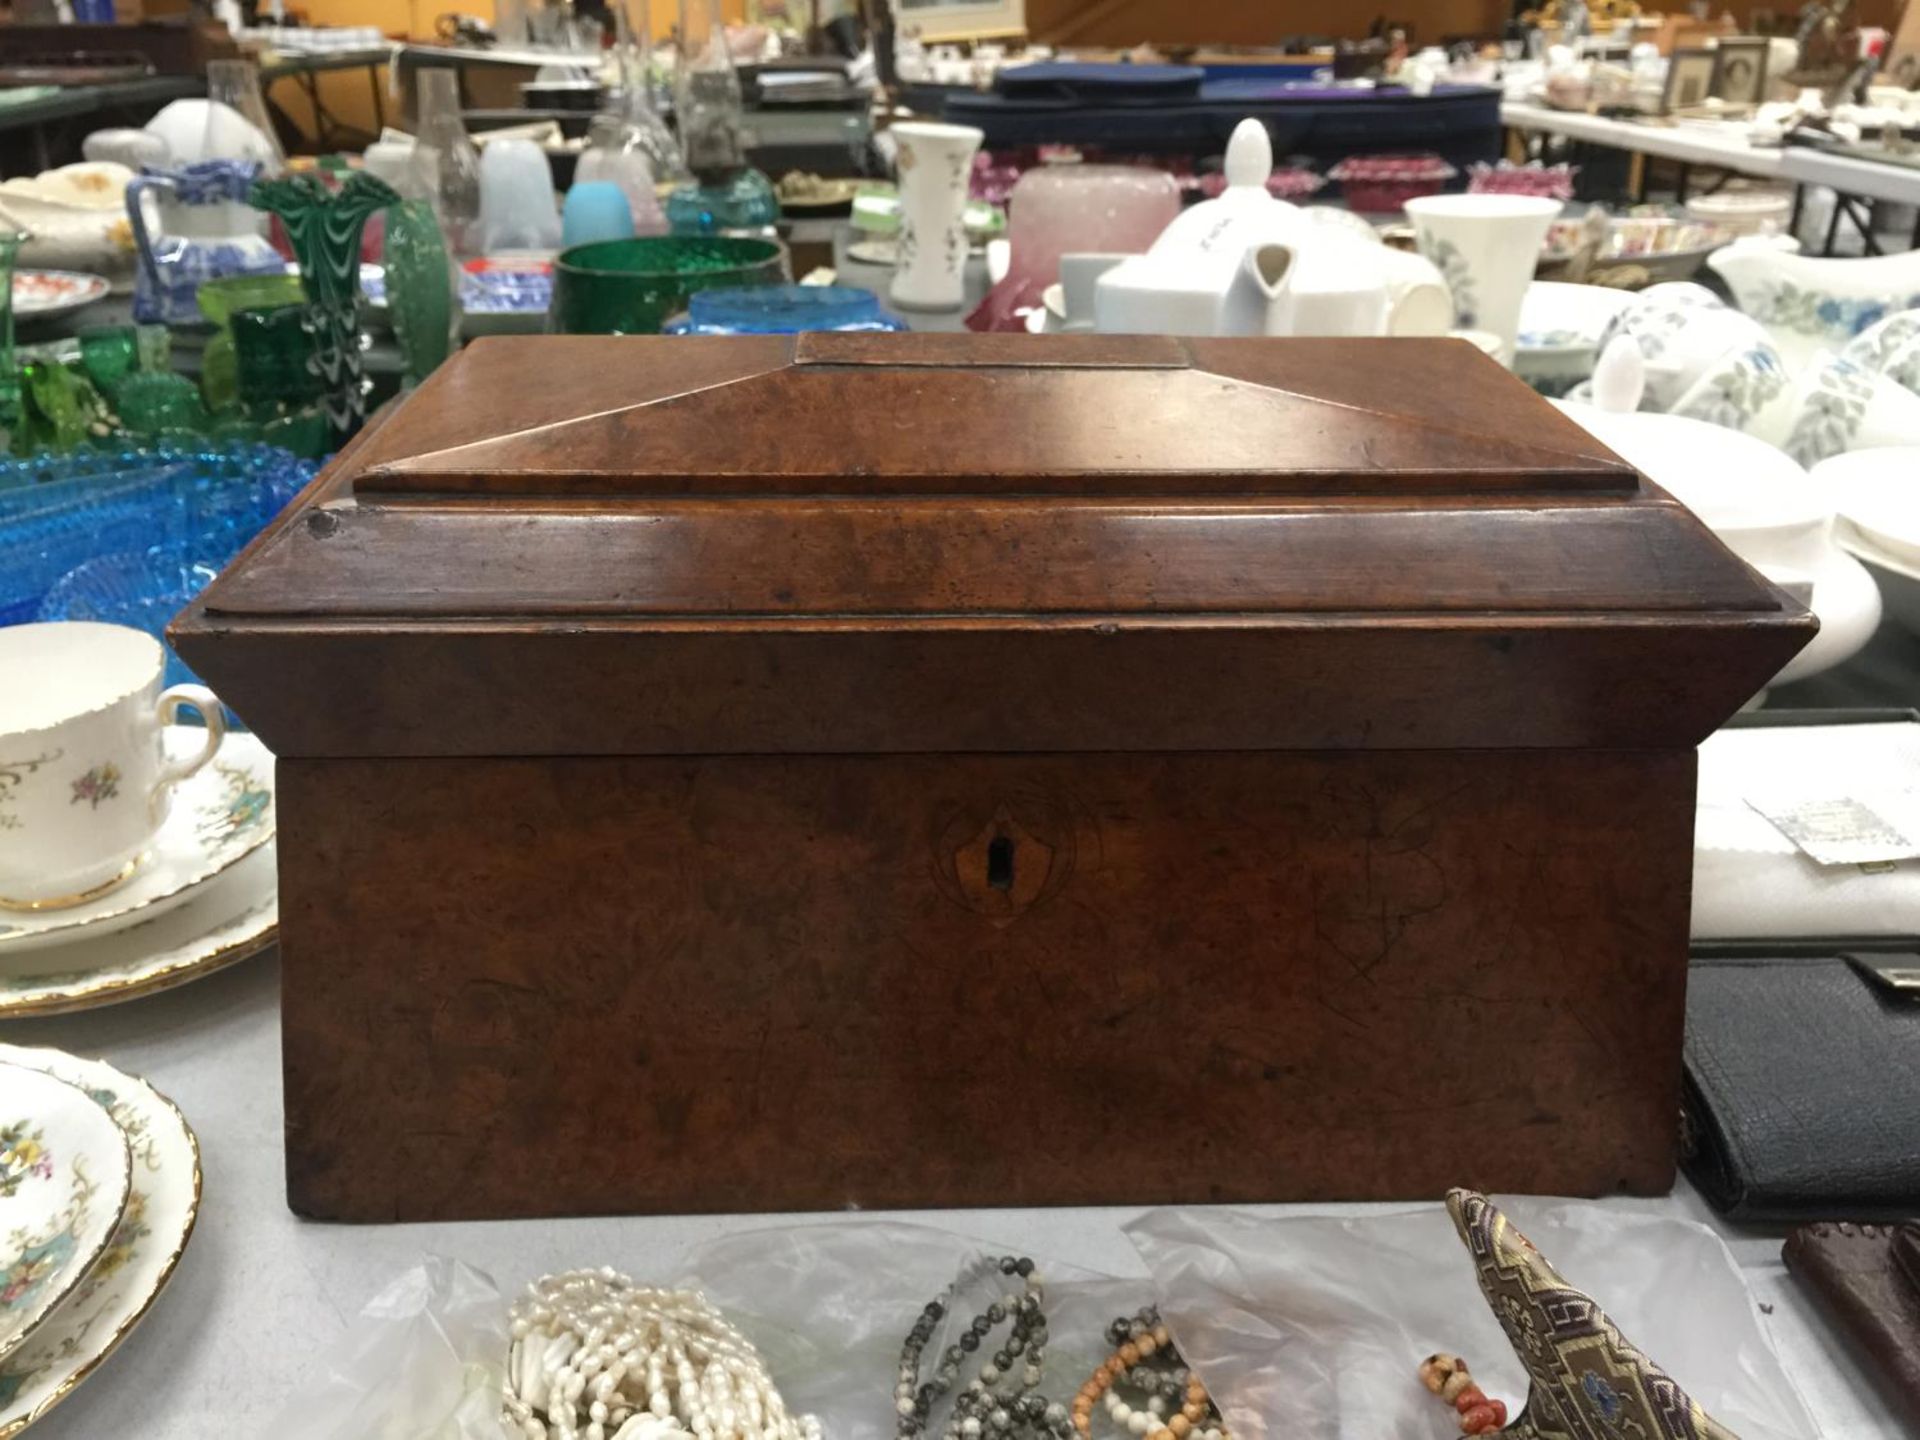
(1249, 155)
(1620, 376)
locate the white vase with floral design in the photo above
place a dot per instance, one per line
(1487, 247)
(935, 163)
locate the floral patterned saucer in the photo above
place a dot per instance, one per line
(141, 1254)
(225, 922)
(219, 816)
(64, 1177)
(42, 294)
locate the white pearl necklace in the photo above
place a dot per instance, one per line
(596, 1357)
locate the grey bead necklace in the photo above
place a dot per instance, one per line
(1003, 1400)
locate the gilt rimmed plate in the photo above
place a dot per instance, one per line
(162, 1204)
(226, 921)
(64, 1175)
(219, 816)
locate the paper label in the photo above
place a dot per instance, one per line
(1839, 830)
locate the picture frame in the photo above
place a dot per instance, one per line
(1740, 70)
(1902, 66)
(939, 21)
(1689, 80)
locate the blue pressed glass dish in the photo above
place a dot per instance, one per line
(782, 310)
(210, 502)
(143, 589)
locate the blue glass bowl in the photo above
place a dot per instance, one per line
(782, 310)
(143, 589)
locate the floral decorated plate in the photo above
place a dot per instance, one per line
(64, 1175)
(225, 921)
(41, 294)
(219, 816)
(140, 1256)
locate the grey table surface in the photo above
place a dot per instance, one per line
(261, 1296)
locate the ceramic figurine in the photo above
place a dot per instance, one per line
(206, 231)
(325, 229)
(934, 162)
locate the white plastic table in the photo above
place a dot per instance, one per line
(1723, 146)
(261, 1296)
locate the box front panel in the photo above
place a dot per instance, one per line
(580, 985)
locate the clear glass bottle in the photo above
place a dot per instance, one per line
(446, 166)
(642, 128)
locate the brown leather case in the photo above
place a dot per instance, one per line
(1868, 1280)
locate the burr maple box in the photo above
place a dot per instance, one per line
(783, 773)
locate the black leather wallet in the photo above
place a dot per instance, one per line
(1803, 1086)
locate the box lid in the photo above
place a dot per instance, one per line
(932, 542)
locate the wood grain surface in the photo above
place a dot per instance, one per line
(542, 987)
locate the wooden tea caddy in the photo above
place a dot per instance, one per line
(785, 773)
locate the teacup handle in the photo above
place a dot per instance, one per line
(201, 699)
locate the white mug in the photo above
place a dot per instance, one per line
(84, 777)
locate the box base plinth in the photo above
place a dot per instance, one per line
(556, 986)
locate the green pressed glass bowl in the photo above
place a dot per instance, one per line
(633, 287)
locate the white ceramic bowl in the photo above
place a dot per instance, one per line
(1560, 330)
(1877, 492)
(1764, 507)
(1899, 581)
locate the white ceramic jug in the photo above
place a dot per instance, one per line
(1810, 304)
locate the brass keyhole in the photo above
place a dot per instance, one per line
(1000, 862)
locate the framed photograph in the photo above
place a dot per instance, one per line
(1740, 71)
(934, 21)
(1689, 80)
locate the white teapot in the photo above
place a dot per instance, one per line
(1249, 264)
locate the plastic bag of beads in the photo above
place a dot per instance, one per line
(1315, 1327)
(848, 1313)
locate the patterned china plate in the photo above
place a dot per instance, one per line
(226, 921)
(38, 294)
(140, 1256)
(64, 1176)
(219, 816)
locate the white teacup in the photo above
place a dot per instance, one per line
(84, 777)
